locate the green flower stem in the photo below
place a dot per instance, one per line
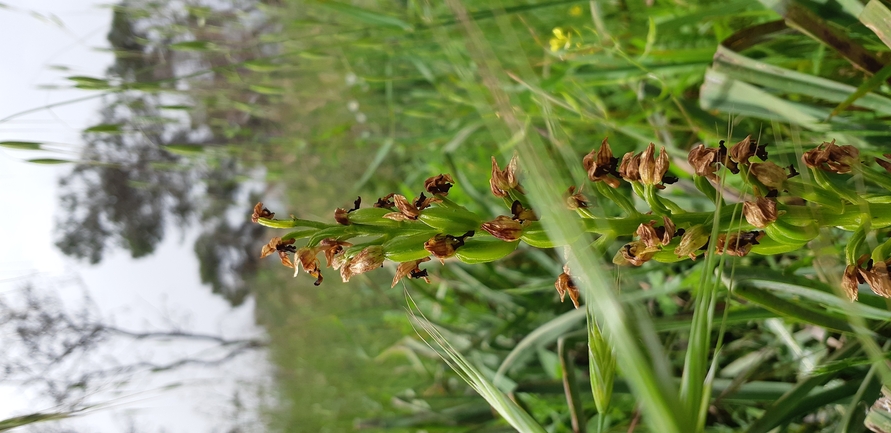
(828, 184)
(705, 186)
(291, 223)
(299, 234)
(807, 191)
(620, 200)
(650, 197)
(877, 214)
(855, 242)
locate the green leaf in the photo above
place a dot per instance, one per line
(192, 46)
(49, 161)
(261, 65)
(82, 82)
(184, 149)
(24, 145)
(267, 90)
(105, 127)
(366, 16)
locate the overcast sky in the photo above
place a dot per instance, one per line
(39, 35)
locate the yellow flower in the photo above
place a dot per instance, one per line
(561, 40)
(576, 11)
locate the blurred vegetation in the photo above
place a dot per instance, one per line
(338, 99)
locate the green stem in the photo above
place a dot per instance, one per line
(291, 223)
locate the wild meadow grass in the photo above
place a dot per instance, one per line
(372, 97)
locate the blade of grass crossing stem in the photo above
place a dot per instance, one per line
(507, 408)
(571, 389)
(656, 393)
(545, 184)
(855, 413)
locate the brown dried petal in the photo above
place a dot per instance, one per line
(647, 234)
(406, 208)
(669, 230)
(277, 244)
(761, 212)
(769, 174)
(647, 168)
(505, 180)
(564, 285)
(261, 212)
(878, 279)
(385, 202)
(747, 148)
(368, 259)
(423, 202)
(443, 246)
(410, 269)
(703, 160)
(599, 163)
(439, 184)
(286, 260)
(884, 164)
(342, 216)
(629, 169)
(851, 280)
(832, 157)
(504, 228)
(738, 244)
(332, 247)
(662, 164)
(309, 262)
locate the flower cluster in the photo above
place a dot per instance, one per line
(781, 213)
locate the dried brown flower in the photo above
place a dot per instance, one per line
(505, 180)
(443, 246)
(439, 184)
(761, 212)
(260, 211)
(575, 200)
(410, 269)
(600, 164)
(648, 174)
(636, 253)
(504, 228)
(370, 258)
(282, 247)
(655, 237)
(520, 213)
(410, 210)
(309, 262)
(564, 285)
(629, 169)
(851, 280)
(747, 148)
(332, 247)
(885, 164)
(738, 244)
(878, 279)
(703, 160)
(831, 157)
(385, 202)
(342, 216)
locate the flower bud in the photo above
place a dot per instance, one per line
(504, 228)
(694, 239)
(340, 215)
(647, 169)
(760, 213)
(629, 169)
